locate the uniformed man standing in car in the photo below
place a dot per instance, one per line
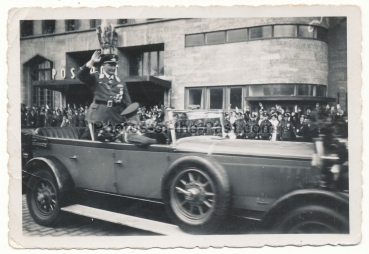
(110, 94)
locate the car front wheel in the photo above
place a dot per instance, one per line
(312, 219)
(43, 199)
(197, 198)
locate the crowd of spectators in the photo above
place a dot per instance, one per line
(45, 116)
(275, 124)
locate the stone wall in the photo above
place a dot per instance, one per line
(252, 62)
(337, 56)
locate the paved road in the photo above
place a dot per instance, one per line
(76, 226)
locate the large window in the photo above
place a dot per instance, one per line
(42, 71)
(216, 37)
(223, 97)
(71, 25)
(256, 33)
(195, 98)
(146, 63)
(26, 28)
(195, 40)
(305, 90)
(215, 98)
(95, 23)
(235, 97)
(261, 32)
(48, 26)
(285, 31)
(306, 32)
(237, 35)
(321, 91)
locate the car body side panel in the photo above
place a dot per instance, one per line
(139, 173)
(90, 167)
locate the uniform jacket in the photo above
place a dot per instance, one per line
(265, 130)
(287, 131)
(104, 89)
(252, 129)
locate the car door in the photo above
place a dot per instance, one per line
(93, 166)
(139, 170)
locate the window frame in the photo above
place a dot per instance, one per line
(207, 91)
(44, 26)
(22, 28)
(187, 97)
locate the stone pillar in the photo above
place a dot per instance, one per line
(37, 27)
(59, 26)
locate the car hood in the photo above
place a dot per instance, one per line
(215, 145)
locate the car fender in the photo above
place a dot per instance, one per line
(325, 199)
(62, 176)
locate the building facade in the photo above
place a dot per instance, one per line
(209, 64)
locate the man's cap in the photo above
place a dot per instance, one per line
(111, 58)
(265, 114)
(131, 110)
(287, 114)
(304, 116)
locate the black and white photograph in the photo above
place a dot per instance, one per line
(185, 128)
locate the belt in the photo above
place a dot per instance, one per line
(109, 103)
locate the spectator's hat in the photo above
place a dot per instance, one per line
(254, 114)
(131, 110)
(304, 116)
(265, 114)
(287, 114)
(111, 59)
(274, 114)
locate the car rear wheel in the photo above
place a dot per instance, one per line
(43, 198)
(312, 219)
(197, 199)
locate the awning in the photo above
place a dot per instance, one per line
(291, 98)
(57, 85)
(161, 81)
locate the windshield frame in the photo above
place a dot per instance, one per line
(172, 123)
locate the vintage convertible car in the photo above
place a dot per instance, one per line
(200, 179)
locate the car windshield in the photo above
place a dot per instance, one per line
(196, 123)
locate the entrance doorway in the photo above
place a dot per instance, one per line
(80, 95)
(146, 93)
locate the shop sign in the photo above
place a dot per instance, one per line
(72, 71)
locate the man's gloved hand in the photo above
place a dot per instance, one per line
(96, 57)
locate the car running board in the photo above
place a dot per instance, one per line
(126, 220)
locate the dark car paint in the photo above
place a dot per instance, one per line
(259, 172)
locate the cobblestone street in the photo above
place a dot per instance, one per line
(75, 225)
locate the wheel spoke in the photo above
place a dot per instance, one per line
(180, 190)
(200, 209)
(183, 202)
(209, 194)
(191, 208)
(207, 204)
(205, 184)
(52, 200)
(191, 177)
(51, 207)
(43, 185)
(198, 178)
(183, 182)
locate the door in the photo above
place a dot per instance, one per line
(93, 167)
(139, 170)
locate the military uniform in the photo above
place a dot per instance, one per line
(252, 129)
(287, 130)
(110, 96)
(265, 130)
